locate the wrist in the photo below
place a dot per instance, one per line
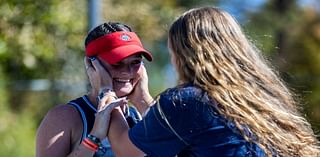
(147, 100)
(92, 142)
(106, 92)
(98, 133)
(144, 104)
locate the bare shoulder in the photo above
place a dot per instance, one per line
(65, 115)
(58, 131)
(63, 111)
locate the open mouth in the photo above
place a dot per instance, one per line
(122, 86)
(123, 80)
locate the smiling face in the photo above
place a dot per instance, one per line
(125, 74)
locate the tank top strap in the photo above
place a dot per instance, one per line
(87, 112)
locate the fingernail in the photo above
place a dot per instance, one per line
(142, 63)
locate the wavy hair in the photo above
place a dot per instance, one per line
(211, 51)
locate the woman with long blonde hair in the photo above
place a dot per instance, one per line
(229, 101)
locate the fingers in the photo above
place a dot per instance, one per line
(115, 103)
(98, 66)
(144, 72)
(118, 102)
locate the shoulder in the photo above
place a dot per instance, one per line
(188, 103)
(184, 91)
(186, 87)
(59, 127)
(61, 116)
(185, 95)
(62, 112)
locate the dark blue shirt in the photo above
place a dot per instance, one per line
(185, 122)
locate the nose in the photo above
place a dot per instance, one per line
(126, 69)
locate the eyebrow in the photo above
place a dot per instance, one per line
(133, 59)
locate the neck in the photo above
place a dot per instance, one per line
(93, 98)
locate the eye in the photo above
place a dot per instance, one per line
(136, 62)
(116, 65)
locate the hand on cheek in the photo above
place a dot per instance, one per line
(92, 75)
(141, 97)
(99, 77)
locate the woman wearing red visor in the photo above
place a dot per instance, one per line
(78, 128)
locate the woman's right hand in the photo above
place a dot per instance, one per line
(101, 83)
(99, 77)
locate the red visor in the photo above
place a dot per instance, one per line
(116, 46)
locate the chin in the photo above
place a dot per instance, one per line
(123, 89)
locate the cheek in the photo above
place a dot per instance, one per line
(113, 72)
(173, 60)
(135, 73)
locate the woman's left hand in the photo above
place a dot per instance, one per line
(102, 120)
(141, 97)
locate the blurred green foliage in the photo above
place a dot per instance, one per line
(41, 54)
(36, 40)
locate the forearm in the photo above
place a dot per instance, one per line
(118, 127)
(143, 105)
(118, 136)
(81, 151)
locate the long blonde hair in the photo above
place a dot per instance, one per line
(211, 51)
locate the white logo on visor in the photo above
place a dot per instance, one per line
(125, 37)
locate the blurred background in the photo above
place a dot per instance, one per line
(42, 50)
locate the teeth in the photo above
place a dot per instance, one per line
(122, 80)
